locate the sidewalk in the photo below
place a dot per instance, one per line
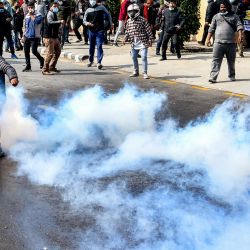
(193, 68)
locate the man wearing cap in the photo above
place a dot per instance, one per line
(32, 35)
(51, 40)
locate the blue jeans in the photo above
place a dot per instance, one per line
(159, 42)
(96, 39)
(144, 57)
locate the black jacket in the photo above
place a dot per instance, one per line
(51, 26)
(95, 15)
(4, 25)
(171, 19)
(211, 10)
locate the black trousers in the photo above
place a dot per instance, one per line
(77, 24)
(175, 43)
(205, 32)
(9, 39)
(33, 44)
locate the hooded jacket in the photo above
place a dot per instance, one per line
(33, 27)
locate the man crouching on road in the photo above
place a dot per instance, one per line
(138, 32)
(224, 26)
(51, 40)
(6, 68)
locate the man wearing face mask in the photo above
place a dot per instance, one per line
(32, 35)
(139, 33)
(225, 25)
(173, 22)
(94, 20)
(51, 40)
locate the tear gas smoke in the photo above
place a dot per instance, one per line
(146, 184)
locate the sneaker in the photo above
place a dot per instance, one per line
(99, 65)
(42, 63)
(55, 70)
(90, 64)
(145, 76)
(79, 40)
(232, 79)
(27, 69)
(163, 59)
(47, 72)
(212, 81)
(179, 56)
(13, 56)
(135, 74)
(241, 55)
(158, 53)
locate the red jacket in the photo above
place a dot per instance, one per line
(123, 10)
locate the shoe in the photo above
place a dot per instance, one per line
(145, 76)
(135, 74)
(2, 154)
(67, 41)
(55, 70)
(27, 69)
(212, 81)
(179, 56)
(116, 44)
(163, 59)
(232, 79)
(18, 49)
(47, 72)
(99, 65)
(13, 56)
(241, 55)
(86, 43)
(158, 53)
(42, 63)
(90, 64)
(79, 40)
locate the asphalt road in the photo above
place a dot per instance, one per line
(35, 217)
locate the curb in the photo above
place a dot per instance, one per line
(68, 55)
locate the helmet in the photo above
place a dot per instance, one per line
(133, 10)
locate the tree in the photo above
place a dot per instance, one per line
(191, 12)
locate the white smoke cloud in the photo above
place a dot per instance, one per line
(156, 185)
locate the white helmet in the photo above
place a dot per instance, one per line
(133, 10)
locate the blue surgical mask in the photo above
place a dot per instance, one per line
(55, 10)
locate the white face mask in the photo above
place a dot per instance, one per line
(224, 13)
(55, 10)
(171, 8)
(92, 2)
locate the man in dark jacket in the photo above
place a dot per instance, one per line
(94, 20)
(5, 30)
(173, 22)
(18, 26)
(6, 68)
(211, 10)
(51, 40)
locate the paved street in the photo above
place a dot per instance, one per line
(34, 216)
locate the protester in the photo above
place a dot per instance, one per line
(173, 21)
(121, 19)
(210, 12)
(51, 40)
(18, 18)
(6, 69)
(5, 30)
(224, 27)
(139, 33)
(80, 9)
(94, 20)
(32, 35)
(160, 25)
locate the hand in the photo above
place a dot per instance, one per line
(178, 27)
(207, 24)
(8, 19)
(14, 82)
(208, 43)
(90, 24)
(62, 22)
